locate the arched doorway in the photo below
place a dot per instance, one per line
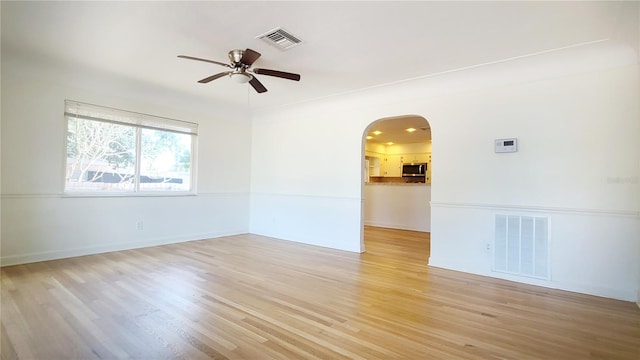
(396, 175)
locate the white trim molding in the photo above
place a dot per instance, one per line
(118, 195)
(539, 209)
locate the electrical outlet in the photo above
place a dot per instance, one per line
(488, 247)
(139, 225)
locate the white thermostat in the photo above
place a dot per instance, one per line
(506, 145)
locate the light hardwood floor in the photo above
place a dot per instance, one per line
(252, 297)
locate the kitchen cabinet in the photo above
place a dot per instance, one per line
(417, 158)
(393, 165)
(390, 165)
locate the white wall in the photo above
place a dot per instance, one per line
(303, 189)
(38, 223)
(398, 206)
(575, 114)
(418, 148)
(376, 148)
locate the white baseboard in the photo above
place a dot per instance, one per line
(61, 254)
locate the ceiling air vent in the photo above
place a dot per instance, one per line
(280, 38)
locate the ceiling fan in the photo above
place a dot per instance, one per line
(241, 72)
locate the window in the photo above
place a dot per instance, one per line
(112, 151)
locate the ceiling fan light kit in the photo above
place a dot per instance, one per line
(240, 77)
(241, 72)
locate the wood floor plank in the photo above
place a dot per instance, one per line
(253, 297)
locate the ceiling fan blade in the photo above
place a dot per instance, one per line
(213, 77)
(257, 85)
(205, 60)
(249, 57)
(276, 73)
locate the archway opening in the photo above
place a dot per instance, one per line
(396, 185)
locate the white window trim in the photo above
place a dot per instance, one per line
(139, 121)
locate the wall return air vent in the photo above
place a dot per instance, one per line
(280, 38)
(521, 246)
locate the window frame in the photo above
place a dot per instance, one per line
(138, 121)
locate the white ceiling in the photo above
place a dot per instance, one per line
(347, 45)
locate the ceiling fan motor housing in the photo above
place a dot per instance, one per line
(235, 56)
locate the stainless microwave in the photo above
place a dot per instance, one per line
(414, 170)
